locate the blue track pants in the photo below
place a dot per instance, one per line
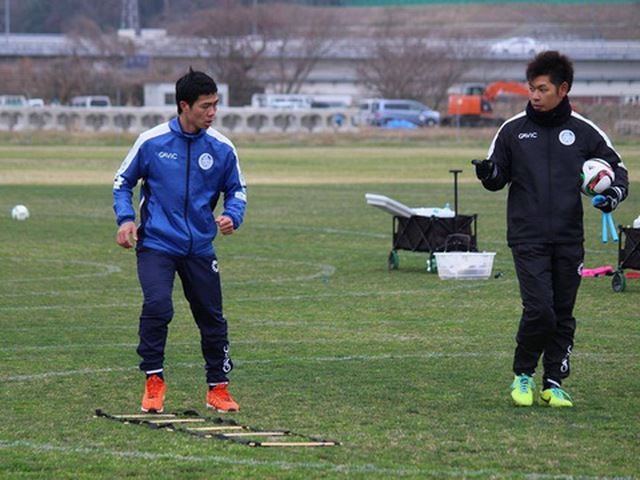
(201, 284)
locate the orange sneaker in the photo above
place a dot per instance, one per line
(219, 399)
(153, 399)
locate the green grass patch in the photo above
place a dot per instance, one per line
(409, 372)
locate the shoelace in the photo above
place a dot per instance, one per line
(558, 392)
(154, 386)
(223, 394)
(525, 382)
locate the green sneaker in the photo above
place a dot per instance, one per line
(555, 397)
(522, 390)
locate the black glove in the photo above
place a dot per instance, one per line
(607, 201)
(484, 169)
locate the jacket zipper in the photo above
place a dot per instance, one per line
(186, 197)
(549, 192)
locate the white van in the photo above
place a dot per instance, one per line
(35, 102)
(281, 101)
(91, 101)
(13, 101)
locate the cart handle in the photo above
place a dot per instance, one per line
(458, 236)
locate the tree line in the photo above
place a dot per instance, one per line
(401, 62)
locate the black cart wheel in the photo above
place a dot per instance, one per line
(394, 261)
(432, 265)
(618, 282)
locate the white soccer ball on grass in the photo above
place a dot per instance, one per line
(597, 175)
(20, 212)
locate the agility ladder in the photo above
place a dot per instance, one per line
(192, 423)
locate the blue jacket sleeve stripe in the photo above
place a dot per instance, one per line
(125, 182)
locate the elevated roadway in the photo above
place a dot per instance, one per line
(597, 62)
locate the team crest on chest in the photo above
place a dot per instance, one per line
(567, 137)
(205, 161)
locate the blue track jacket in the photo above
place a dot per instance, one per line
(182, 177)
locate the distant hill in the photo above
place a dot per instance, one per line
(608, 19)
(591, 19)
(382, 3)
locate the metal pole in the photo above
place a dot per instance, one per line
(455, 189)
(254, 22)
(7, 16)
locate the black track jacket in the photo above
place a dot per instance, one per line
(540, 154)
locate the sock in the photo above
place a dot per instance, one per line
(213, 385)
(549, 383)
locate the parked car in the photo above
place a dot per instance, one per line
(13, 101)
(35, 102)
(381, 111)
(518, 46)
(91, 101)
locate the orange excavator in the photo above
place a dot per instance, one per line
(471, 105)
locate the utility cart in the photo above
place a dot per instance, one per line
(428, 230)
(431, 235)
(628, 257)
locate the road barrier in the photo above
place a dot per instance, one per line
(138, 119)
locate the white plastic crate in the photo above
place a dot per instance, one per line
(464, 265)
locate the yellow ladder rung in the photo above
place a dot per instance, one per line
(292, 444)
(214, 429)
(179, 420)
(144, 415)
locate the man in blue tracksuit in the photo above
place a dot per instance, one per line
(184, 166)
(539, 154)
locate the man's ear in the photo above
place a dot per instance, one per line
(183, 105)
(563, 90)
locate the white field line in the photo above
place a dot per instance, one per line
(288, 466)
(288, 360)
(89, 371)
(459, 286)
(320, 270)
(461, 340)
(382, 338)
(186, 322)
(106, 269)
(334, 231)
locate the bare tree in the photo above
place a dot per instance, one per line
(102, 75)
(58, 79)
(406, 65)
(299, 38)
(61, 78)
(251, 45)
(234, 52)
(457, 56)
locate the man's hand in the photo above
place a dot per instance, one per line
(484, 169)
(606, 201)
(127, 235)
(225, 224)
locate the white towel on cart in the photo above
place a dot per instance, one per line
(399, 209)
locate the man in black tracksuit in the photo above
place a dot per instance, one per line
(539, 153)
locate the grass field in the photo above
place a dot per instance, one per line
(409, 372)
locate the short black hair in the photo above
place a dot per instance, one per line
(190, 86)
(552, 63)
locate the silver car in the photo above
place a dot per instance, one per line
(382, 111)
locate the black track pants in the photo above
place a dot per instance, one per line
(201, 284)
(549, 277)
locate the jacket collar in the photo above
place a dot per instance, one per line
(175, 126)
(552, 118)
